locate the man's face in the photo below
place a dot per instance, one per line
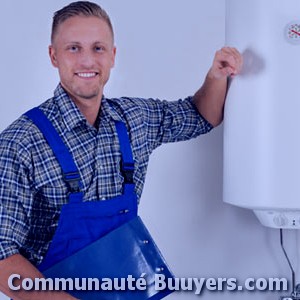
(84, 53)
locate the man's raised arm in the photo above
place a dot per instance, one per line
(210, 98)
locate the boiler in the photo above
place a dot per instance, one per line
(262, 111)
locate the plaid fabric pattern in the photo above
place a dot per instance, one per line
(32, 190)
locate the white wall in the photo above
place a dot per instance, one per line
(164, 50)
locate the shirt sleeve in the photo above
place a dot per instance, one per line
(171, 121)
(15, 196)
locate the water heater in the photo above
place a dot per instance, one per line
(262, 111)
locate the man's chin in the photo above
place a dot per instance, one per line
(88, 95)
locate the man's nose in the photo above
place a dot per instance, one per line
(87, 59)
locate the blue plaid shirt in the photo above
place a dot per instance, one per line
(32, 190)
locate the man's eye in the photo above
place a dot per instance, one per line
(73, 48)
(99, 49)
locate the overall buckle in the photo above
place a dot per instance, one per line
(127, 170)
(72, 180)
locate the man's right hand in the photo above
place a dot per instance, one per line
(17, 264)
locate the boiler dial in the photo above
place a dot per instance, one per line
(292, 32)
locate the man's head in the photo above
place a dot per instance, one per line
(82, 49)
(79, 8)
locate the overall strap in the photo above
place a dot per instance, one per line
(127, 163)
(70, 172)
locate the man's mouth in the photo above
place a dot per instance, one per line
(87, 74)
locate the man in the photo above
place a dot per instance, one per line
(32, 186)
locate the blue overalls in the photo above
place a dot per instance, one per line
(81, 223)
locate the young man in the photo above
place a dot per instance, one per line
(33, 188)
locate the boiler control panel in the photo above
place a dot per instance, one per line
(279, 218)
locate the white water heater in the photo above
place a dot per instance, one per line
(262, 111)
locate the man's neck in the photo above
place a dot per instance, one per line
(89, 107)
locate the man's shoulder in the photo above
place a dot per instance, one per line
(21, 131)
(123, 101)
(129, 105)
(128, 109)
(132, 101)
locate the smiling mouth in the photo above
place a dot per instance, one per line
(87, 74)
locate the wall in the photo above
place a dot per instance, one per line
(164, 50)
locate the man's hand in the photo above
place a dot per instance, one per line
(227, 62)
(17, 264)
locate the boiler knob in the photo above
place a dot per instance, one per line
(280, 220)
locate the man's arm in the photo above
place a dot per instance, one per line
(210, 98)
(17, 264)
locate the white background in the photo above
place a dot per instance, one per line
(164, 49)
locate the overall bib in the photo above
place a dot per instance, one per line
(82, 223)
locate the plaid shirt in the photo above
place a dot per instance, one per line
(32, 190)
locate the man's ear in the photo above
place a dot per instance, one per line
(52, 54)
(114, 51)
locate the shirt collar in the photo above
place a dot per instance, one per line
(70, 113)
(108, 110)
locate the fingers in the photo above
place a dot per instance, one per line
(227, 62)
(238, 58)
